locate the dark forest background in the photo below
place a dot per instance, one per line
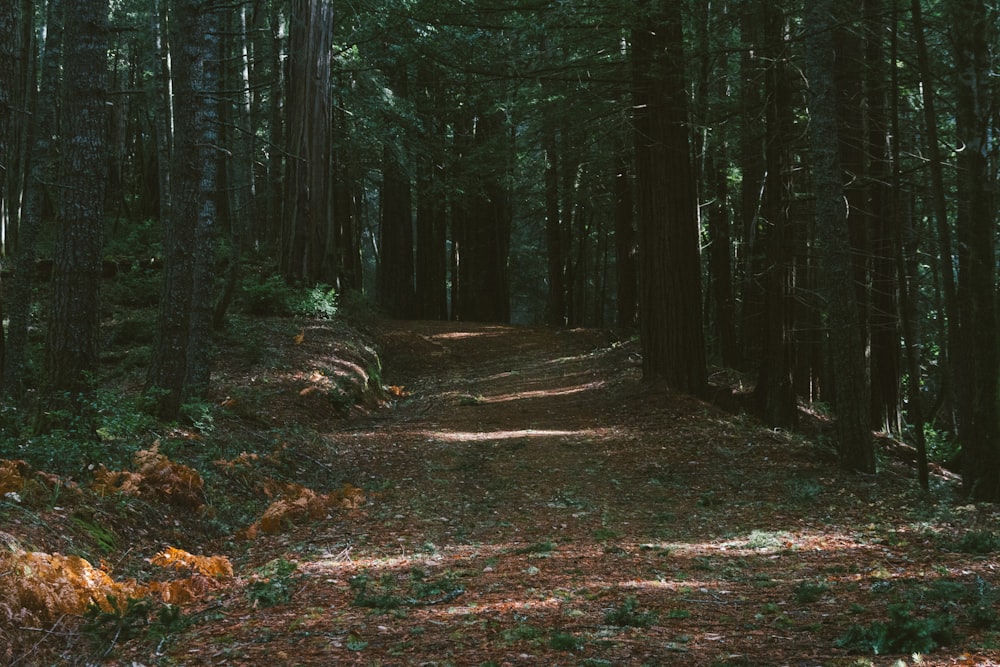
(801, 192)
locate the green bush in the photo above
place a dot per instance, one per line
(981, 542)
(904, 632)
(627, 614)
(319, 301)
(272, 296)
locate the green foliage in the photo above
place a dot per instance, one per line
(522, 632)
(807, 592)
(319, 301)
(276, 584)
(979, 542)
(942, 446)
(105, 539)
(137, 618)
(269, 296)
(803, 491)
(103, 426)
(565, 641)
(273, 296)
(904, 632)
(538, 549)
(627, 614)
(387, 593)
(139, 288)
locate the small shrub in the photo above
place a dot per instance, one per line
(319, 301)
(807, 592)
(903, 633)
(270, 296)
(276, 586)
(803, 491)
(627, 614)
(370, 595)
(564, 641)
(980, 542)
(522, 632)
(105, 628)
(539, 548)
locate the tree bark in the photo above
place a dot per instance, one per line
(180, 367)
(775, 389)
(851, 406)
(73, 342)
(671, 335)
(37, 205)
(308, 182)
(976, 229)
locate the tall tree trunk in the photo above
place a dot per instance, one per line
(431, 214)
(9, 43)
(976, 229)
(38, 200)
(851, 406)
(554, 252)
(484, 221)
(308, 165)
(73, 343)
(750, 251)
(884, 311)
(775, 389)
(626, 276)
(180, 366)
(395, 281)
(905, 256)
(671, 334)
(950, 323)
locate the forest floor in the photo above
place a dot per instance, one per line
(518, 496)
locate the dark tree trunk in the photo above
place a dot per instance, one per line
(556, 265)
(671, 335)
(884, 311)
(180, 366)
(626, 262)
(394, 281)
(9, 45)
(484, 231)
(38, 199)
(950, 325)
(753, 69)
(775, 389)
(431, 213)
(976, 229)
(308, 184)
(73, 341)
(847, 358)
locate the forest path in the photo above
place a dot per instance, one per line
(531, 502)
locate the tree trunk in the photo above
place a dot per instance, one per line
(884, 311)
(626, 270)
(394, 281)
(9, 44)
(180, 366)
(484, 232)
(976, 229)
(38, 199)
(851, 406)
(950, 324)
(671, 335)
(554, 252)
(73, 342)
(775, 389)
(306, 220)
